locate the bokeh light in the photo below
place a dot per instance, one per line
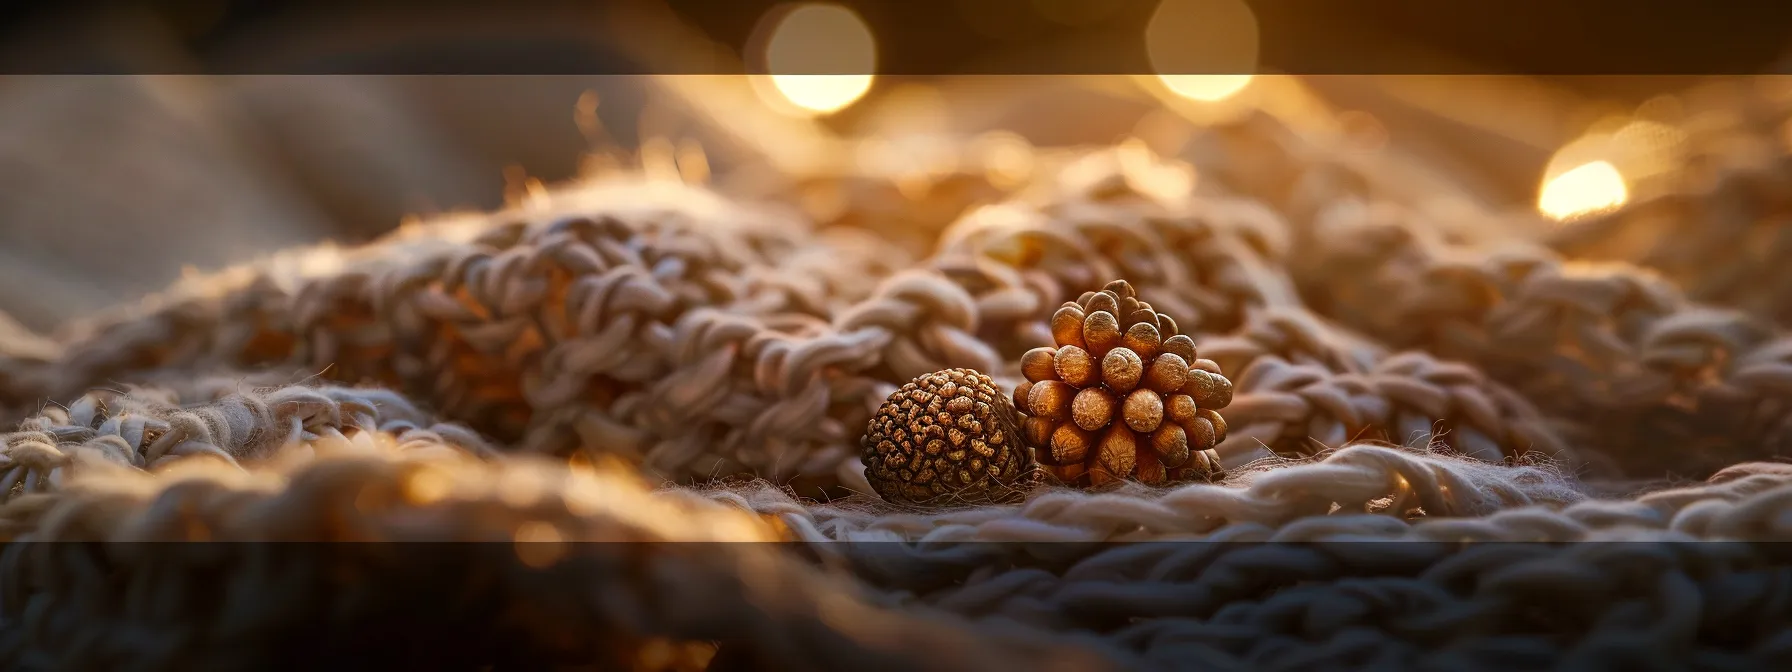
(539, 544)
(1006, 158)
(1206, 87)
(1583, 190)
(1609, 165)
(1204, 50)
(1644, 149)
(1166, 181)
(814, 36)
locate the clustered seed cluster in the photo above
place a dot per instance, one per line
(947, 437)
(1122, 396)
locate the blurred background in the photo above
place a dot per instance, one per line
(116, 184)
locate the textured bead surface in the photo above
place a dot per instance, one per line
(950, 437)
(1123, 396)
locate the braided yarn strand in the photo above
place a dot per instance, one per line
(629, 416)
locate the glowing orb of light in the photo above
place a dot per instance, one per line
(1185, 37)
(1585, 189)
(823, 37)
(1206, 88)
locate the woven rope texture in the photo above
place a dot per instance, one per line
(632, 360)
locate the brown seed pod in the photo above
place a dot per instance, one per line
(1181, 346)
(1219, 423)
(1101, 332)
(1180, 408)
(1171, 443)
(1038, 431)
(1068, 474)
(1167, 374)
(1038, 364)
(1103, 303)
(1209, 390)
(1201, 434)
(1167, 327)
(1070, 443)
(1118, 451)
(1129, 310)
(1067, 326)
(1222, 392)
(1140, 316)
(1201, 466)
(1020, 394)
(1076, 366)
(1122, 369)
(1143, 409)
(1149, 470)
(1092, 408)
(1142, 339)
(1127, 397)
(1050, 399)
(947, 437)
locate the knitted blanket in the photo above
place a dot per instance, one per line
(616, 427)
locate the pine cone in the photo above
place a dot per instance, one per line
(1122, 396)
(947, 437)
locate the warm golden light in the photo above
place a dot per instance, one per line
(1207, 88)
(822, 93)
(538, 544)
(813, 36)
(1647, 148)
(1185, 37)
(1007, 159)
(1166, 181)
(1586, 189)
(1617, 157)
(426, 486)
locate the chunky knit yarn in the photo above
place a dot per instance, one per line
(619, 428)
